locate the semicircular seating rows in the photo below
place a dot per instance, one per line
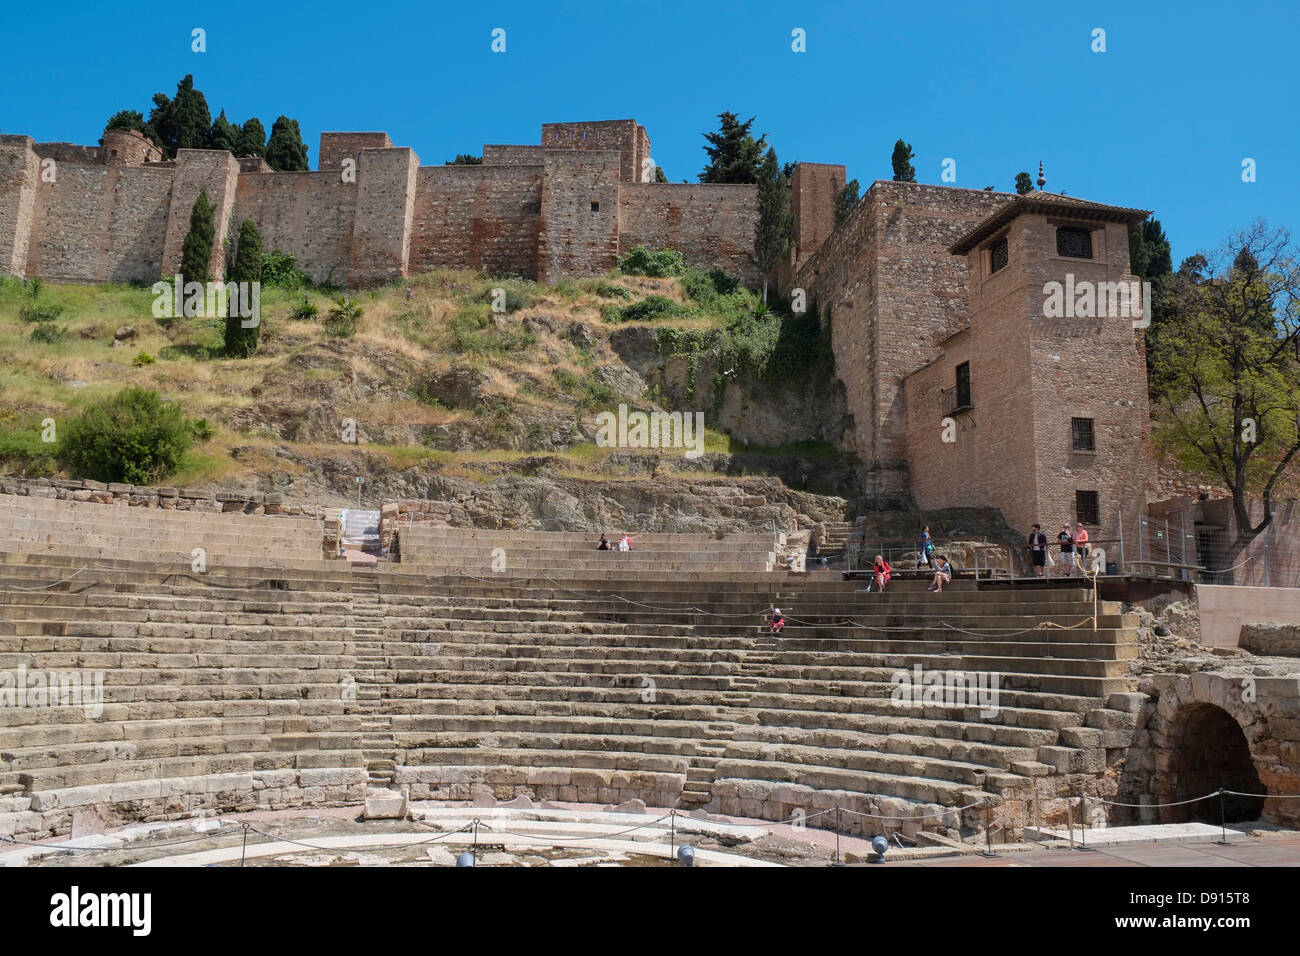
(273, 679)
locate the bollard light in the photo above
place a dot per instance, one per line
(465, 859)
(686, 856)
(880, 845)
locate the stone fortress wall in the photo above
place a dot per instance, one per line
(371, 212)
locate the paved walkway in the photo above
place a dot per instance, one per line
(1280, 850)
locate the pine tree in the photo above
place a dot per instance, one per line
(241, 342)
(465, 159)
(252, 138)
(846, 200)
(775, 226)
(1024, 183)
(734, 154)
(182, 123)
(224, 134)
(196, 250)
(285, 150)
(904, 171)
(660, 175)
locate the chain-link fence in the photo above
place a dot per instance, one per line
(1174, 547)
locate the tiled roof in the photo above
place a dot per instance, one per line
(1049, 203)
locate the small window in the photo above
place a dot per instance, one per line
(1087, 507)
(595, 206)
(1074, 241)
(963, 385)
(998, 255)
(1082, 435)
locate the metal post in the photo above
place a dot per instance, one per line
(837, 835)
(1182, 536)
(244, 848)
(988, 835)
(1121, 542)
(672, 835)
(1223, 822)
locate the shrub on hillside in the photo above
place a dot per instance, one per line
(47, 333)
(305, 310)
(40, 312)
(647, 310)
(133, 437)
(659, 264)
(705, 286)
(609, 290)
(281, 269)
(342, 320)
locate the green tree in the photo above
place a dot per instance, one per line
(660, 175)
(465, 159)
(734, 154)
(196, 250)
(846, 200)
(241, 340)
(904, 171)
(1226, 399)
(132, 437)
(182, 123)
(131, 119)
(775, 226)
(1024, 183)
(1150, 259)
(285, 150)
(224, 134)
(252, 138)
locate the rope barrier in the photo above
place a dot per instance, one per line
(44, 587)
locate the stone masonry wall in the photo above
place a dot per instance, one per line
(477, 217)
(381, 230)
(307, 214)
(891, 291)
(813, 191)
(708, 224)
(19, 175)
(579, 222)
(625, 136)
(336, 147)
(139, 496)
(216, 171)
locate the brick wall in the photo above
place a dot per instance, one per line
(198, 169)
(307, 214)
(335, 147)
(891, 290)
(513, 155)
(477, 217)
(19, 176)
(580, 214)
(626, 136)
(708, 224)
(813, 190)
(381, 229)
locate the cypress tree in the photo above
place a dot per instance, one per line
(224, 134)
(182, 123)
(285, 150)
(775, 224)
(904, 171)
(846, 200)
(252, 138)
(1024, 183)
(241, 342)
(196, 250)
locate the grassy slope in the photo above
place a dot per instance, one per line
(443, 320)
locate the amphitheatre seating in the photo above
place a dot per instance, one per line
(97, 531)
(300, 683)
(480, 549)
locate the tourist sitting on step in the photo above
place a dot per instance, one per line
(778, 622)
(882, 571)
(604, 543)
(625, 543)
(942, 574)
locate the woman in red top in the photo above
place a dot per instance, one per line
(1081, 547)
(883, 572)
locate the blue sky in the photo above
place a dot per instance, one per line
(1162, 120)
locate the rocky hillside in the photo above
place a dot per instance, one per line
(436, 395)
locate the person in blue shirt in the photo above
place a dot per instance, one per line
(942, 574)
(927, 546)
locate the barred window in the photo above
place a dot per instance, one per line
(1087, 507)
(1082, 434)
(1074, 241)
(998, 255)
(963, 385)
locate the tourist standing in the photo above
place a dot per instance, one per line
(1066, 538)
(927, 547)
(1038, 550)
(1081, 545)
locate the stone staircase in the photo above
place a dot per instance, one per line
(378, 746)
(836, 541)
